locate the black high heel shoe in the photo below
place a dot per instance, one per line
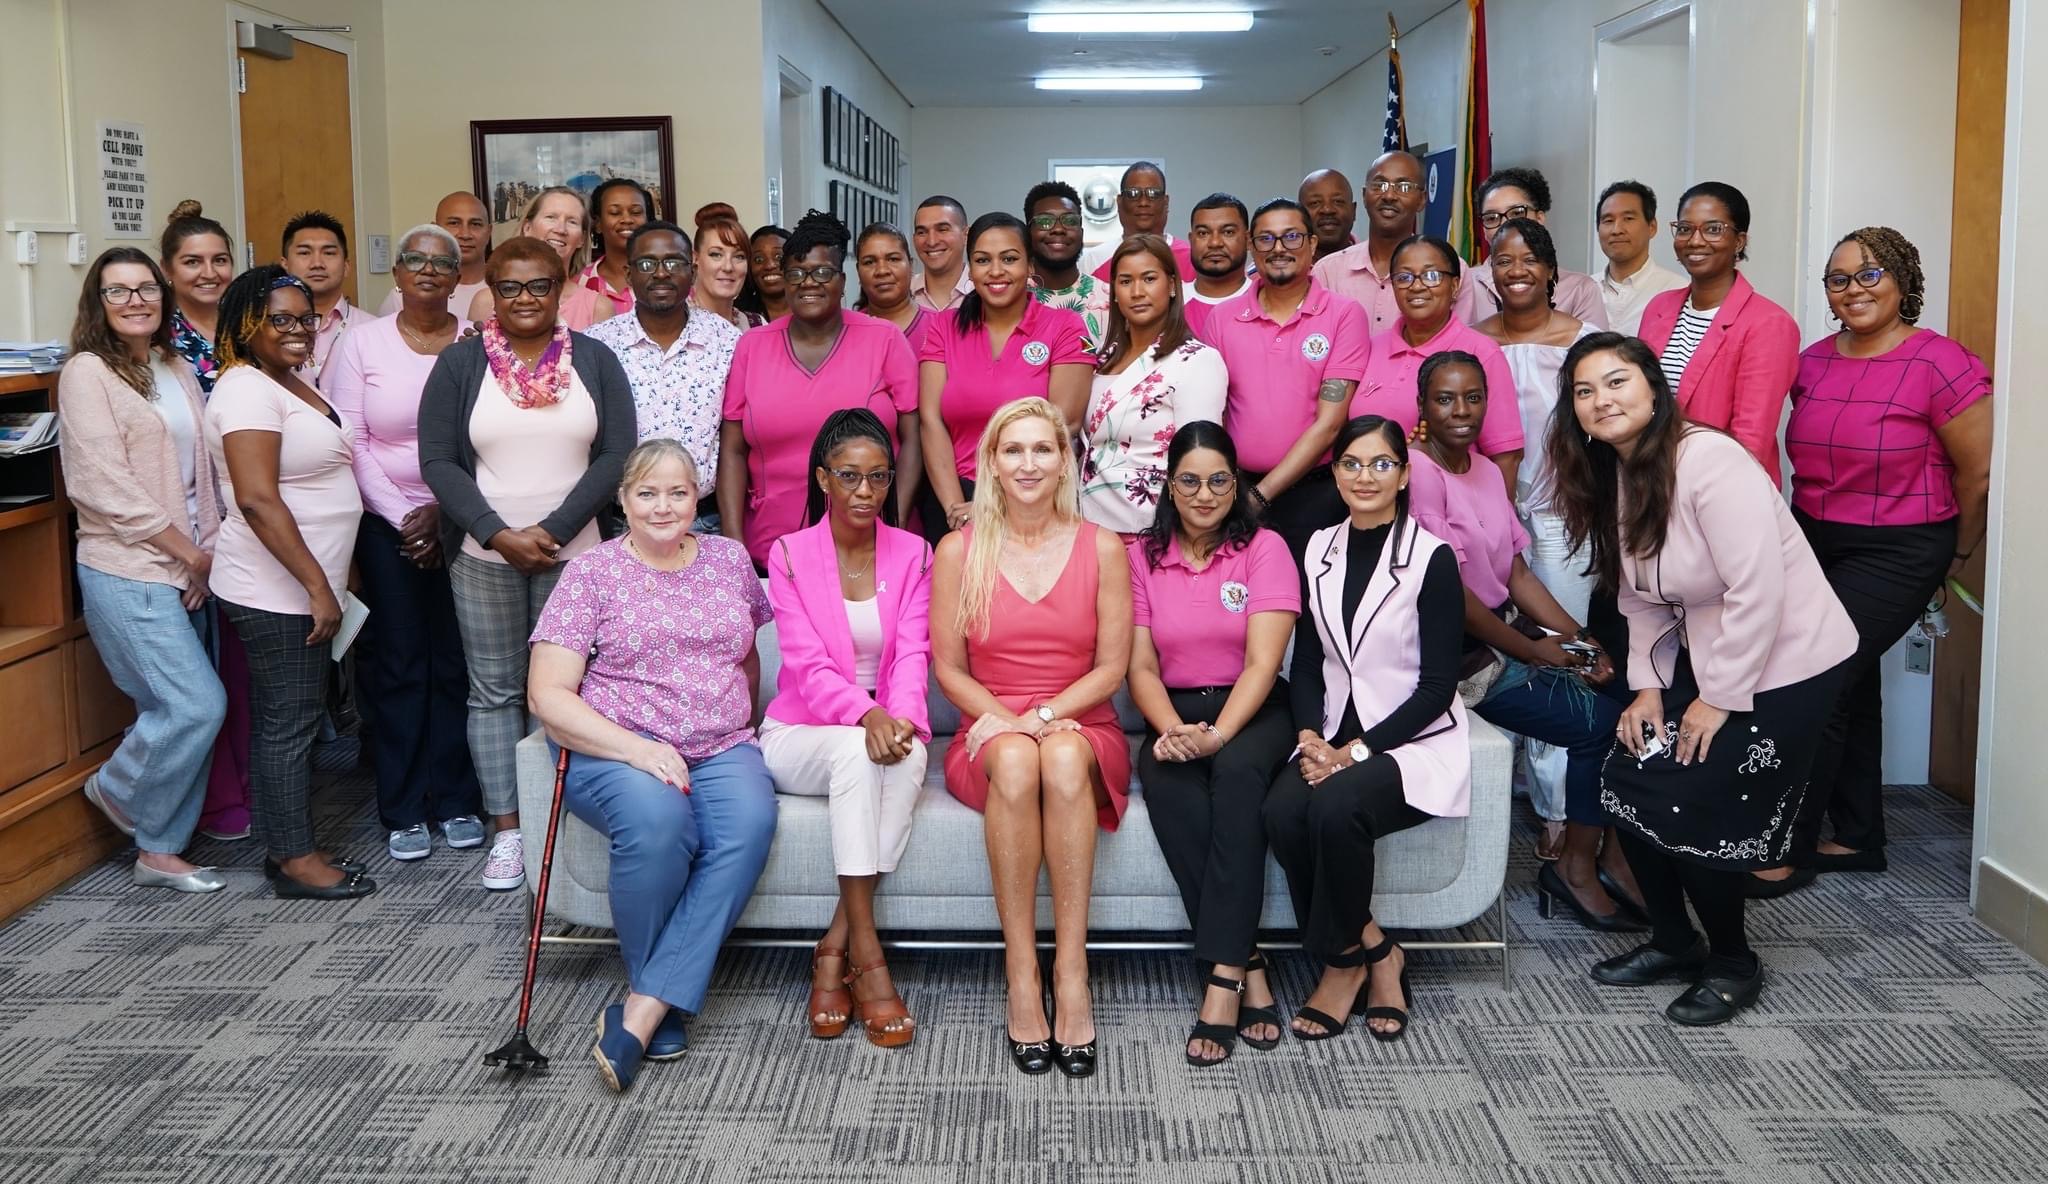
(1249, 1016)
(1032, 1057)
(1332, 1026)
(1074, 1060)
(1373, 957)
(1551, 888)
(1222, 1035)
(1629, 904)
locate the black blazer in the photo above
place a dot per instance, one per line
(448, 459)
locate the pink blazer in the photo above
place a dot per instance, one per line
(1741, 374)
(1736, 584)
(815, 685)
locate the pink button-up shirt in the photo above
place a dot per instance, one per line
(1350, 274)
(1389, 386)
(1275, 369)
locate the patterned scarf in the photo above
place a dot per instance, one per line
(540, 385)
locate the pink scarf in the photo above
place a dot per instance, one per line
(540, 385)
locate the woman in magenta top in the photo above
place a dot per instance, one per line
(1031, 635)
(1000, 345)
(882, 260)
(1890, 443)
(790, 374)
(1425, 277)
(1213, 602)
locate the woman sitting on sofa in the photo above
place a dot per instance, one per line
(852, 598)
(675, 781)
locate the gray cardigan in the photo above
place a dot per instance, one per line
(448, 459)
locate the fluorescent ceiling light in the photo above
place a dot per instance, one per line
(1108, 82)
(1139, 22)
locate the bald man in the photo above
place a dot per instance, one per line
(1326, 195)
(465, 216)
(1394, 195)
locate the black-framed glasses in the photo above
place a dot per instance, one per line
(1494, 220)
(1144, 192)
(1867, 277)
(510, 289)
(667, 264)
(118, 294)
(285, 322)
(1048, 221)
(1428, 277)
(1380, 187)
(421, 261)
(852, 479)
(1188, 485)
(1292, 239)
(822, 274)
(1713, 232)
(1351, 466)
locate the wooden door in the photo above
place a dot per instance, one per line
(1972, 320)
(297, 152)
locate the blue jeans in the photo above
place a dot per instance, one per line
(1548, 704)
(682, 865)
(152, 648)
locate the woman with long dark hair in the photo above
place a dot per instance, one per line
(1213, 601)
(767, 293)
(618, 207)
(1736, 653)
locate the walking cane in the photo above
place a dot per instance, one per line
(519, 1053)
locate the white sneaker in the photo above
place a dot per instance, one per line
(505, 867)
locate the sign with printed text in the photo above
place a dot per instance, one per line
(124, 180)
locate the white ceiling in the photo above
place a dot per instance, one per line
(977, 53)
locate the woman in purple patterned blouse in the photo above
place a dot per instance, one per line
(643, 667)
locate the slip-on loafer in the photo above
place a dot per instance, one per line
(347, 867)
(1716, 999)
(670, 1040)
(199, 879)
(617, 1052)
(1646, 964)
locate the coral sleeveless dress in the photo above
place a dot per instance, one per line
(1035, 650)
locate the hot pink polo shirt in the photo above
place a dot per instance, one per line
(1471, 512)
(1198, 619)
(978, 383)
(780, 406)
(1183, 256)
(1389, 385)
(1275, 369)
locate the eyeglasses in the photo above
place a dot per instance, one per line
(285, 322)
(510, 289)
(1430, 278)
(1144, 193)
(421, 261)
(1381, 187)
(1713, 232)
(1292, 239)
(824, 273)
(1351, 466)
(117, 295)
(667, 264)
(1837, 281)
(1048, 221)
(1494, 220)
(852, 479)
(1188, 485)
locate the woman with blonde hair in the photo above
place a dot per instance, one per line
(1031, 634)
(558, 217)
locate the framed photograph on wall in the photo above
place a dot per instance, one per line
(826, 124)
(511, 160)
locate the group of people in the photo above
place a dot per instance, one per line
(571, 491)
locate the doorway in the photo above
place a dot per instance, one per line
(791, 196)
(296, 130)
(1642, 93)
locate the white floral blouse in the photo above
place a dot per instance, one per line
(1131, 419)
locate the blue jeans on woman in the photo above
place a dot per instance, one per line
(152, 648)
(682, 865)
(1555, 706)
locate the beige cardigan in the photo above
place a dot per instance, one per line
(122, 474)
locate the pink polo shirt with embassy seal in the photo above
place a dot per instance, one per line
(1275, 369)
(978, 380)
(1199, 619)
(1389, 385)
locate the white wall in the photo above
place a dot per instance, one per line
(1342, 123)
(803, 34)
(988, 157)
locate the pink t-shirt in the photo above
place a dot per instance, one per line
(529, 458)
(978, 382)
(1275, 369)
(1471, 512)
(1863, 438)
(665, 648)
(1389, 386)
(780, 406)
(313, 478)
(375, 384)
(1198, 619)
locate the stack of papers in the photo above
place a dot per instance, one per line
(22, 357)
(22, 432)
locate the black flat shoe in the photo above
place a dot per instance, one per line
(1250, 1017)
(1033, 1057)
(1848, 861)
(353, 885)
(1629, 904)
(1646, 964)
(1075, 1060)
(1551, 888)
(1757, 888)
(1716, 999)
(348, 867)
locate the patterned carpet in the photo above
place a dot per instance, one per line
(147, 1036)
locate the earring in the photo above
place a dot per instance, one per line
(1911, 307)
(1421, 433)
(1589, 437)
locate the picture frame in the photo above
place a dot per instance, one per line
(513, 159)
(827, 110)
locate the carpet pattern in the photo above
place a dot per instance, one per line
(149, 1036)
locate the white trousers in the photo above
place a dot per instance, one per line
(1562, 570)
(870, 804)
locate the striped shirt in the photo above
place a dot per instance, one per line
(1686, 336)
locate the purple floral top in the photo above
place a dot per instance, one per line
(196, 348)
(665, 648)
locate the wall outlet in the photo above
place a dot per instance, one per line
(25, 246)
(75, 251)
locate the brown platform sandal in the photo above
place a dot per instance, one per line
(874, 1014)
(830, 1001)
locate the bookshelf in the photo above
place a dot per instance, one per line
(63, 713)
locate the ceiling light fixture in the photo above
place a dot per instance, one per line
(1236, 21)
(1109, 82)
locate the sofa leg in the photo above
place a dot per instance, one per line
(1507, 980)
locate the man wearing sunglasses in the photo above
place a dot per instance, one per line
(1052, 217)
(316, 251)
(1141, 203)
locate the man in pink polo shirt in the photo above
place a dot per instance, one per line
(1295, 352)
(939, 235)
(1219, 237)
(1523, 193)
(1394, 196)
(1141, 203)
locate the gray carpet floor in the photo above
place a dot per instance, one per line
(148, 1036)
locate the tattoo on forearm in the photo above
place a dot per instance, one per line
(1333, 390)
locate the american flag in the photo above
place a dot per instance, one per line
(1395, 135)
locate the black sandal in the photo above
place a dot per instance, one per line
(1224, 1035)
(1373, 956)
(1249, 1016)
(1332, 1027)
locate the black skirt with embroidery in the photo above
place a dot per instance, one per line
(1735, 809)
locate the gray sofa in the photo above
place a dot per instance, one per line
(1437, 876)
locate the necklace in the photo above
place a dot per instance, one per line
(854, 575)
(425, 343)
(681, 554)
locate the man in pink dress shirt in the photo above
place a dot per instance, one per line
(1523, 193)
(1394, 196)
(315, 250)
(939, 235)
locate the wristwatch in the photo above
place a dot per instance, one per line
(1359, 753)
(1046, 714)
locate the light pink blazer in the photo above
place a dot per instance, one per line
(1739, 378)
(1378, 665)
(815, 685)
(1736, 583)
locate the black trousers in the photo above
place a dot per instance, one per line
(411, 671)
(287, 679)
(1306, 507)
(1323, 836)
(1885, 576)
(931, 515)
(1668, 882)
(1205, 815)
